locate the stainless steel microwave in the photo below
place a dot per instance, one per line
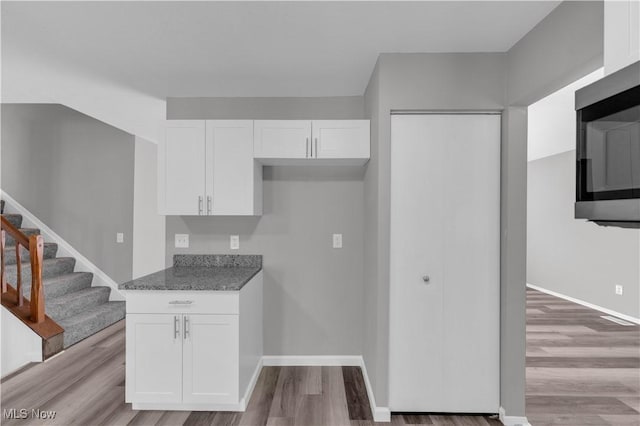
(608, 149)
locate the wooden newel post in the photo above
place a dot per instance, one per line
(36, 251)
(3, 277)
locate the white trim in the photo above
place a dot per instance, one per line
(587, 304)
(380, 414)
(312, 360)
(64, 248)
(512, 420)
(252, 384)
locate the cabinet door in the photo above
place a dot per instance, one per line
(282, 139)
(234, 179)
(211, 351)
(181, 168)
(341, 138)
(154, 358)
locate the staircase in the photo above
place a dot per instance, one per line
(70, 300)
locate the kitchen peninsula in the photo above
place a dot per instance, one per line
(194, 334)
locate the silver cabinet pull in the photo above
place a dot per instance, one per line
(316, 147)
(200, 205)
(307, 147)
(176, 327)
(181, 302)
(208, 204)
(186, 327)
(426, 278)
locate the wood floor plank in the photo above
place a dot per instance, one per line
(259, 406)
(287, 393)
(356, 393)
(334, 397)
(417, 419)
(589, 376)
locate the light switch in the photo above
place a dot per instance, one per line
(119, 237)
(337, 240)
(182, 241)
(619, 290)
(234, 242)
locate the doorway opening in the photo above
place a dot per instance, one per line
(583, 337)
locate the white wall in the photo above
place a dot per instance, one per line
(29, 79)
(20, 345)
(552, 120)
(148, 225)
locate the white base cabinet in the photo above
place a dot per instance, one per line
(183, 356)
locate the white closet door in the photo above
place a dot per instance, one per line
(444, 298)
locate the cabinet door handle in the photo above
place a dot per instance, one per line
(200, 205)
(186, 327)
(181, 302)
(176, 327)
(316, 147)
(208, 204)
(307, 147)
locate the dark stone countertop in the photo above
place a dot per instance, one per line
(201, 272)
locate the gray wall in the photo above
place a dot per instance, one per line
(326, 108)
(575, 257)
(563, 47)
(75, 174)
(438, 81)
(313, 293)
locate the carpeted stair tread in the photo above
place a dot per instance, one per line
(50, 268)
(9, 241)
(90, 321)
(49, 252)
(14, 219)
(62, 284)
(69, 304)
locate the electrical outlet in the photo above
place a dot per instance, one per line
(619, 290)
(119, 237)
(234, 242)
(337, 240)
(182, 241)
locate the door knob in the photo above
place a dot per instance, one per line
(426, 278)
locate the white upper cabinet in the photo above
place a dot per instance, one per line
(234, 179)
(341, 138)
(207, 168)
(181, 168)
(282, 139)
(621, 34)
(300, 142)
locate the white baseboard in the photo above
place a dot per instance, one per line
(512, 420)
(312, 360)
(587, 304)
(252, 384)
(380, 414)
(64, 248)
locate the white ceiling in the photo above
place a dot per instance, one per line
(253, 48)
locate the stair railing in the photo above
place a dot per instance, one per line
(35, 245)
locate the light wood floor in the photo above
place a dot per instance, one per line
(85, 385)
(581, 369)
